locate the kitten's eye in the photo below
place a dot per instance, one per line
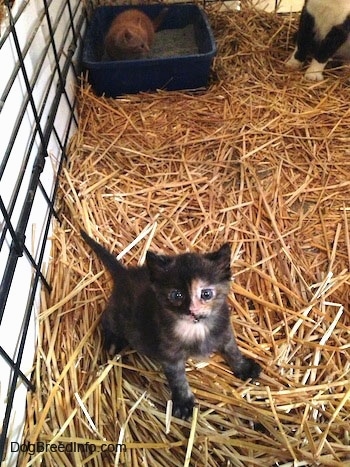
(207, 294)
(176, 296)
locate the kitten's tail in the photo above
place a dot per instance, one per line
(109, 260)
(160, 18)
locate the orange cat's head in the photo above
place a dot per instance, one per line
(133, 40)
(130, 35)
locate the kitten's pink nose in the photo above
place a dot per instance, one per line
(195, 310)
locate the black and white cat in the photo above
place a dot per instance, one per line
(323, 34)
(172, 308)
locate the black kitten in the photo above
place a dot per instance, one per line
(170, 309)
(324, 33)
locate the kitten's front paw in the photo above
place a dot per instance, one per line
(314, 76)
(248, 369)
(182, 408)
(314, 72)
(293, 64)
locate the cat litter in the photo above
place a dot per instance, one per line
(174, 42)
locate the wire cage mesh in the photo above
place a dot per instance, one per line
(39, 56)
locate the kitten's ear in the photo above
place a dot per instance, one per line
(223, 252)
(222, 259)
(157, 264)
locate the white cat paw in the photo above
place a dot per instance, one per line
(314, 72)
(314, 76)
(293, 64)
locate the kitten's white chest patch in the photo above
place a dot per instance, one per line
(190, 331)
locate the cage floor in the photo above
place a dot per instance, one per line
(261, 159)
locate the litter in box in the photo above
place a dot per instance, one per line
(172, 42)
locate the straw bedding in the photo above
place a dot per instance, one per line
(260, 159)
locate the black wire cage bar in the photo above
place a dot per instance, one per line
(40, 45)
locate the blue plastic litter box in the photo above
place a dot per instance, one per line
(114, 78)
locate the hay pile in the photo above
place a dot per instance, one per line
(261, 160)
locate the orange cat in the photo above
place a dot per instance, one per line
(131, 34)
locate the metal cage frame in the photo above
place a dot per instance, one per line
(62, 23)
